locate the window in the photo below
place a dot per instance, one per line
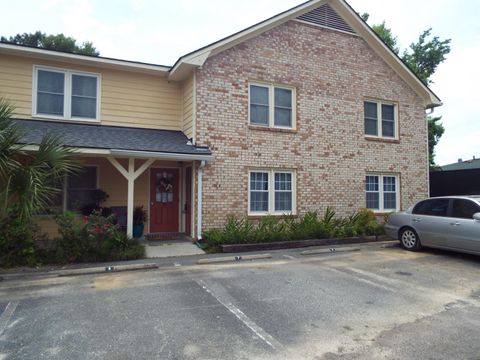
(464, 209)
(66, 94)
(82, 189)
(271, 192)
(380, 119)
(382, 192)
(432, 207)
(79, 191)
(272, 106)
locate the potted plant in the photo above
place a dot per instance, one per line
(139, 219)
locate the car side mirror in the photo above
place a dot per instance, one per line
(476, 216)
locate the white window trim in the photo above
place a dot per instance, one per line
(381, 191)
(379, 118)
(271, 104)
(271, 192)
(67, 94)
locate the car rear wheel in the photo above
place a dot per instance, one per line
(410, 240)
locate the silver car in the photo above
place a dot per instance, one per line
(449, 222)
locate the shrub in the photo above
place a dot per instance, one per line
(310, 226)
(98, 239)
(17, 240)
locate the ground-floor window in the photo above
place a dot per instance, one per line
(382, 192)
(271, 192)
(79, 191)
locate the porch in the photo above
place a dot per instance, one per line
(158, 170)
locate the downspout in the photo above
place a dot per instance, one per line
(199, 199)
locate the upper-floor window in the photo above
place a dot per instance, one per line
(272, 106)
(66, 94)
(382, 193)
(381, 119)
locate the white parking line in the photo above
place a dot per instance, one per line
(7, 315)
(354, 274)
(223, 298)
(289, 257)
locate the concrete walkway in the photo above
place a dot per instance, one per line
(165, 249)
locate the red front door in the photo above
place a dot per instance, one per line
(164, 192)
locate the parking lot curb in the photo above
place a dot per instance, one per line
(107, 269)
(233, 259)
(329, 251)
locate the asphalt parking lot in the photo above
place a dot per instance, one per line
(377, 303)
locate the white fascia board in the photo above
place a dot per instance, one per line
(77, 151)
(132, 154)
(160, 155)
(82, 59)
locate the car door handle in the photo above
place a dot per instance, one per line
(455, 224)
(416, 220)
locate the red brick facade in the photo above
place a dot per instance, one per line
(332, 72)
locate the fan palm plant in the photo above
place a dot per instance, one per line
(29, 181)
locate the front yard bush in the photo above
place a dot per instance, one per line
(18, 238)
(97, 239)
(287, 228)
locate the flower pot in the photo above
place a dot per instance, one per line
(137, 230)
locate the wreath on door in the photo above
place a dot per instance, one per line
(164, 188)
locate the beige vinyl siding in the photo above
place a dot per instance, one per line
(127, 98)
(188, 107)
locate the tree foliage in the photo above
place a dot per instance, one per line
(423, 58)
(426, 54)
(29, 181)
(387, 36)
(435, 132)
(57, 42)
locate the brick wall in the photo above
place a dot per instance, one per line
(332, 72)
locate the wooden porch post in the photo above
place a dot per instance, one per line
(131, 175)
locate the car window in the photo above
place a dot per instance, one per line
(432, 207)
(464, 209)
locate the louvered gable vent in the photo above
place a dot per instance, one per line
(326, 16)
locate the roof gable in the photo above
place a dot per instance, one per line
(334, 14)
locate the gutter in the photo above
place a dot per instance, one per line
(133, 154)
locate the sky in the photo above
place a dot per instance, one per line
(161, 31)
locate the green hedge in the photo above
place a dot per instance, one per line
(287, 228)
(97, 239)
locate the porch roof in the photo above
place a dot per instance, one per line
(115, 140)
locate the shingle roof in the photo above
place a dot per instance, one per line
(463, 165)
(110, 137)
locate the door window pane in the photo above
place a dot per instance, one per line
(50, 92)
(464, 209)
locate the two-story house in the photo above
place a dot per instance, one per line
(304, 110)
